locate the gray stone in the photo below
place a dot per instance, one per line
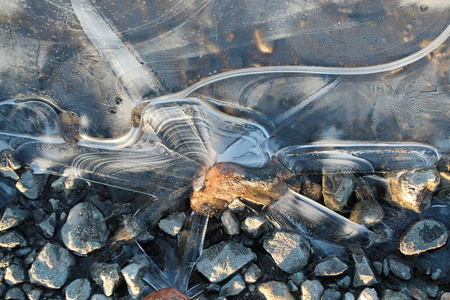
(14, 274)
(133, 274)
(172, 224)
(15, 293)
(432, 290)
(413, 190)
(386, 268)
(51, 267)
(107, 276)
(253, 226)
(274, 290)
(297, 278)
(30, 257)
(252, 274)
(393, 295)
(236, 206)
(345, 282)
(367, 213)
(289, 251)
(79, 289)
(9, 163)
(12, 218)
(423, 236)
(368, 294)
(336, 190)
(230, 222)
(12, 240)
(378, 267)
(312, 290)
(349, 296)
(363, 275)
(445, 296)
(100, 297)
(32, 292)
(416, 293)
(48, 225)
(331, 294)
(32, 185)
(85, 229)
(292, 287)
(222, 260)
(333, 266)
(233, 287)
(437, 274)
(399, 269)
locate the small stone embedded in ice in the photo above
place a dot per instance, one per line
(297, 278)
(345, 282)
(333, 266)
(289, 251)
(423, 236)
(253, 225)
(399, 269)
(252, 274)
(363, 275)
(310, 189)
(445, 296)
(367, 213)
(85, 229)
(32, 292)
(274, 290)
(133, 274)
(349, 296)
(331, 294)
(79, 289)
(47, 226)
(413, 190)
(15, 293)
(106, 276)
(222, 260)
(233, 287)
(12, 239)
(368, 294)
(312, 290)
(51, 268)
(172, 224)
(100, 297)
(14, 274)
(393, 295)
(230, 222)
(336, 190)
(12, 218)
(32, 185)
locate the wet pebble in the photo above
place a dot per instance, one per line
(79, 289)
(312, 290)
(222, 260)
(363, 275)
(368, 294)
(14, 274)
(274, 290)
(51, 267)
(32, 185)
(252, 274)
(333, 266)
(233, 287)
(289, 251)
(399, 269)
(85, 229)
(172, 224)
(12, 218)
(423, 236)
(230, 222)
(107, 276)
(331, 294)
(336, 190)
(12, 240)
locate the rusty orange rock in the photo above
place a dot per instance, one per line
(166, 294)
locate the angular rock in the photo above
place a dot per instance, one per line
(85, 229)
(336, 190)
(106, 276)
(32, 185)
(48, 225)
(100, 297)
(79, 289)
(233, 287)
(274, 290)
(297, 278)
(368, 294)
(12, 240)
(349, 296)
(15, 293)
(292, 287)
(133, 274)
(12, 218)
(344, 283)
(236, 206)
(423, 236)
(331, 294)
(69, 189)
(222, 260)
(253, 226)
(32, 292)
(399, 269)
(172, 224)
(393, 295)
(230, 222)
(9, 163)
(14, 274)
(252, 274)
(363, 275)
(51, 268)
(413, 190)
(289, 251)
(333, 266)
(311, 189)
(312, 290)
